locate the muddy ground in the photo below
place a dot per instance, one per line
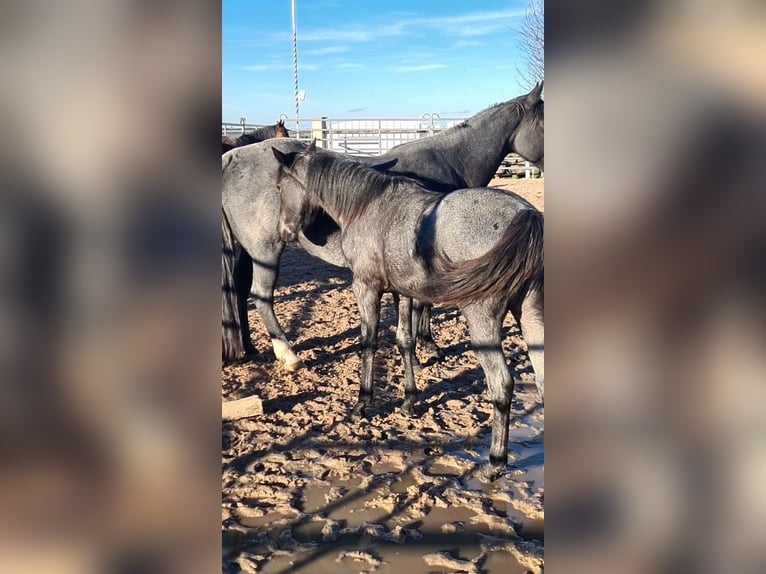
(307, 490)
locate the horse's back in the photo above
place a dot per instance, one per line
(468, 222)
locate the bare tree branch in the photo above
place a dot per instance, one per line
(532, 42)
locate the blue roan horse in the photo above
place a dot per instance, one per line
(466, 155)
(480, 249)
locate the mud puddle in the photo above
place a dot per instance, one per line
(428, 516)
(460, 549)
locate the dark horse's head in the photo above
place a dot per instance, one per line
(528, 139)
(280, 130)
(294, 205)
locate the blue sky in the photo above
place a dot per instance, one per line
(369, 58)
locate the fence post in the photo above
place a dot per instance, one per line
(319, 130)
(242, 121)
(380, 139)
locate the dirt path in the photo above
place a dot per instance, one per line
(307, 490)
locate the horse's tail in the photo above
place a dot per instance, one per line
(236, 277)
(232, 347)
(511, 267)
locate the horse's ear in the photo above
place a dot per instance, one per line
(285, 159)
(536, 94)
(312, 146)
(281, 123)
(384, 166)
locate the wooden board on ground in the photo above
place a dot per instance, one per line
(241, 408)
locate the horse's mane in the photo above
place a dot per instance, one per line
(346, 184)
(257, 135)
(515, 103)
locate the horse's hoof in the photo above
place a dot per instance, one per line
(359, 411)
(294, 366)
(489, 472)
(408, 407)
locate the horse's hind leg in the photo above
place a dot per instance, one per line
(484, 322)
(265, 272)
(243, 278)
(368, 302)
(421, 319)
(529, 317)
(406, 345)
(417, 368)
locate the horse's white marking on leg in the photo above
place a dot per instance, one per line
(285, 354)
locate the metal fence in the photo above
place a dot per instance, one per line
(232, 129)
(375, 136)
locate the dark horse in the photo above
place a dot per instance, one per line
(480, 249)
(278, 130)
(466, 155)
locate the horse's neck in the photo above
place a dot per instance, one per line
(489, 144)
(343, 207)
(479, 148)
(265, 133)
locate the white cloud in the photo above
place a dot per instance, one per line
(416, 57)
(260, 68)
(354, 33)
(278, 67)
(476, 30)
(473, 18)
(349, 66)
(421, 68)
(327, 50)
(469, 24)
(467, 43)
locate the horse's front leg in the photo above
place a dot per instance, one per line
(368, 301)
(406, 345)
(484, 323)
(265, 274)
(421, 320)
